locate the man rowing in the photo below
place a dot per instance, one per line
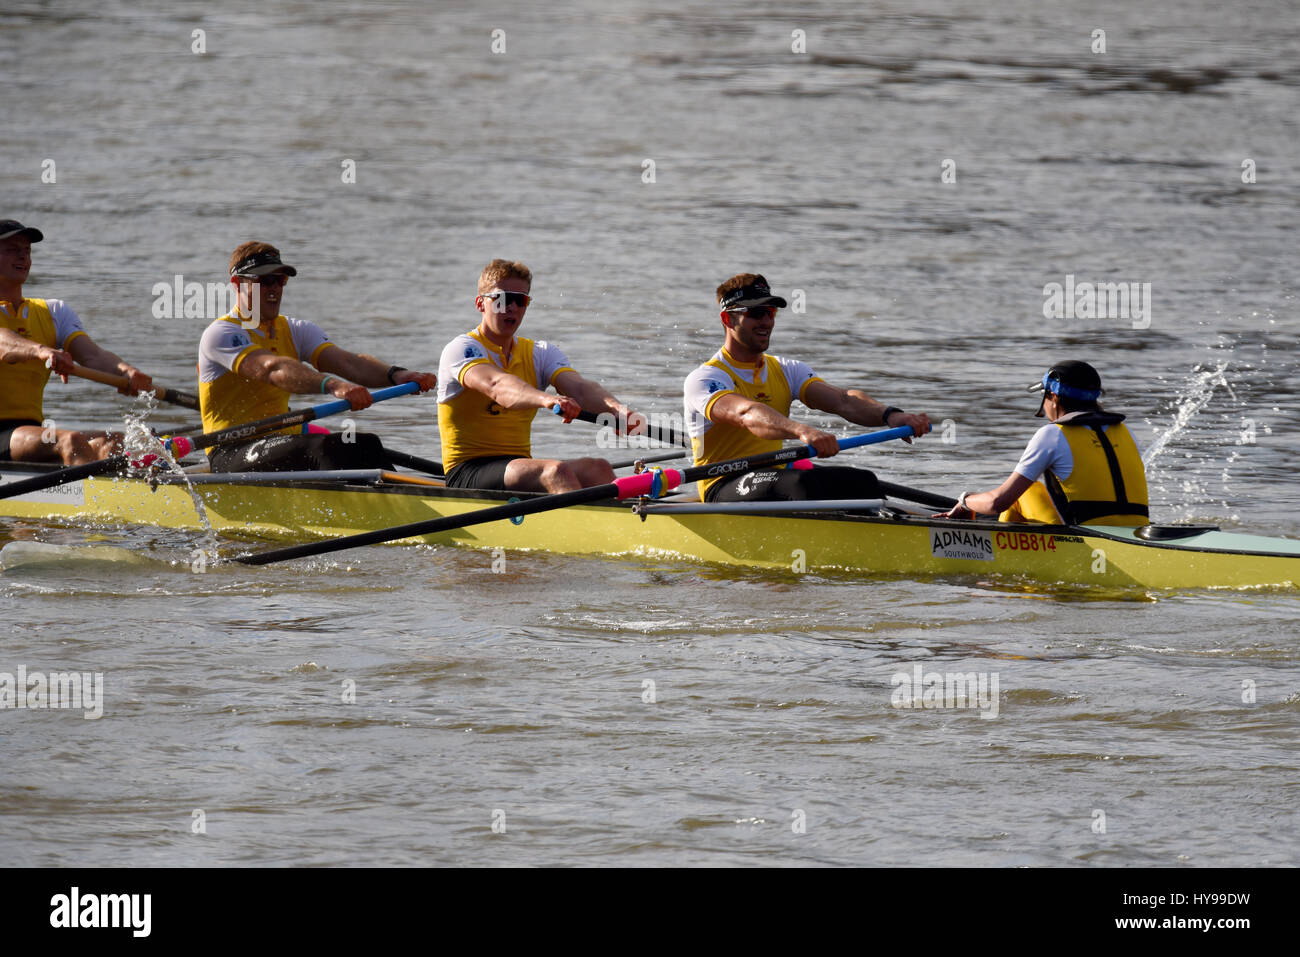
(738, 404)
(252, 360)
(1082, 469)
(492, 382)
(38, 336)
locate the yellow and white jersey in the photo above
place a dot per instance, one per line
(470, 423)
(228, 399)
(774, 381)
(49, 322)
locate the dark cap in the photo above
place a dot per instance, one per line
(264, 263)
(1070, 379)
(757, 293)
(11, 227)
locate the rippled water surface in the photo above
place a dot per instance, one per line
(520, 697)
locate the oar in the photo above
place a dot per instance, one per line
(427, 466)
(661, 457)
(916, 495)
(120, 382)
(654, 482)
(674, 437)
(652, 432)
(181, 446)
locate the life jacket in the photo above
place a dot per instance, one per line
(1107, 486)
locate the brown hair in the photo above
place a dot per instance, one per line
(738, 282)
(244, 250)
(499, 269)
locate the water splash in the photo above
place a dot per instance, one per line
(1195, 396)
(140, 444)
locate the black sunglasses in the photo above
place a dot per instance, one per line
(504, 300)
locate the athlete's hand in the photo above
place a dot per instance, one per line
(426, 380)
(357, 396)
(569, 408)
(960, 510)
(919, 421)
(825, 443)
(136, 382)
(58, 362)
(635, 422)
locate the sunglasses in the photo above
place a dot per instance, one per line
(504, 300)
(272, 281)
(758, 312)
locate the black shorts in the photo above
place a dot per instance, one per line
(302, 453)
(7, 427)
(796, 485)
(488, 472)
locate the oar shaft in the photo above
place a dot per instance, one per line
(629, 486)
(654, 433)
(659, 457)
(182, 446)
(185, 399)
(70, 474)
(284, 421)
(916, 495)
(427, 466)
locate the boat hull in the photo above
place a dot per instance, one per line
(812, 541)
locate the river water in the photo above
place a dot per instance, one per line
(921, 173)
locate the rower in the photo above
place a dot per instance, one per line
(38, 336)
(738, 404)
(492, 383)
(1082, 469)
(253, 359)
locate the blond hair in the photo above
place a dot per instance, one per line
(499, 269)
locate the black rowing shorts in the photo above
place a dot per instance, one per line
(302, 453)
(488, 472)
(796, 485)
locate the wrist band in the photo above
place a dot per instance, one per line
(391, 371)
(961, 503)
(324, 382)
(889, 410)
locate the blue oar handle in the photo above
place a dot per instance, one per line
(379, 395)
(871, 438)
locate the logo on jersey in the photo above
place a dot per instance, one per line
(473, 352)
(715, 386)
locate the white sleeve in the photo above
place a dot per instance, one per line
(1048, 449)
(700, 386)
(797, 374)
(456, 355)
(548, 359)
(222, 343)
(307, 338)
(66, 322)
